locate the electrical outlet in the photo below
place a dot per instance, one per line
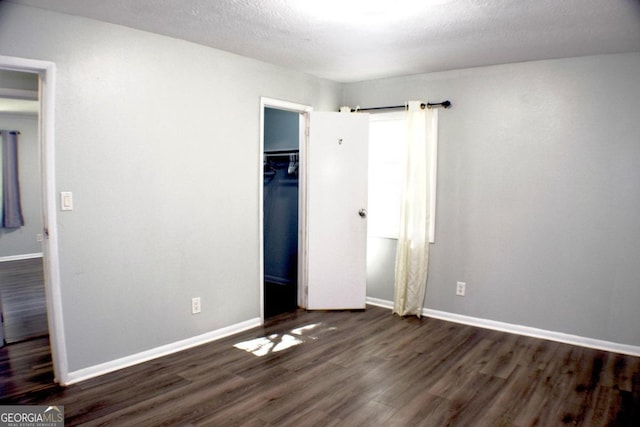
(196, 307)
(460, 288)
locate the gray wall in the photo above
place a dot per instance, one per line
(18, 80)
(538, 193)
(281, 130)
(145, 128)
(21, 241)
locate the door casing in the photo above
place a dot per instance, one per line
(46, 72)
(304, 111)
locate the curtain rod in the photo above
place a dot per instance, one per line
(443, 104)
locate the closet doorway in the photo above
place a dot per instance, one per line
(282, 146)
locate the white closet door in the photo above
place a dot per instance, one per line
(337, 159)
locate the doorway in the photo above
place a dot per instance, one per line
(282, 209)
(22, 297)
(45, 75)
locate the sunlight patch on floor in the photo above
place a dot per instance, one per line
(278, 342)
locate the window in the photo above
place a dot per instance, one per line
(387, 145)
(386, 167)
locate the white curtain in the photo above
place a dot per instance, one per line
(416, 231)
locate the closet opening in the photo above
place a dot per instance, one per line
(282, 192)
(283, 263)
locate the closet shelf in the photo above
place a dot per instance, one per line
(280, 152)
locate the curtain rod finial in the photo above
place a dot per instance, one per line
(444, 104)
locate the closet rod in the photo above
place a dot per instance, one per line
(443, 104)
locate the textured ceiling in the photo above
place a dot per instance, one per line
(391, 38)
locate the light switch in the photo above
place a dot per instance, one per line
(66, 201)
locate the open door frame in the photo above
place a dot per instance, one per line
(304, 111)
(46, 72)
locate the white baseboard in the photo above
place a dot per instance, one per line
(631, 350)
(380, 302)
(20, 257)
(165, 350)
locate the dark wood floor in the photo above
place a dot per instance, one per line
(23, 299)
(351, 368)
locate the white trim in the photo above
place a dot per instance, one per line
(20, 257)
(284, 105)
(380, 303)
(528, 331)
(165, 350)
(304, 111)
(46, 71)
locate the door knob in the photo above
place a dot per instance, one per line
(362, 213)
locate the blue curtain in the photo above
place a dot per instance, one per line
(11, 206)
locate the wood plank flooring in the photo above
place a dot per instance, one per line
(23, 299)
(352, 368)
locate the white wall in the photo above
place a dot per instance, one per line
(158, 139)
(22, 241)
(538, 193)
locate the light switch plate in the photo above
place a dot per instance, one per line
(196, 305)
(66, 201)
